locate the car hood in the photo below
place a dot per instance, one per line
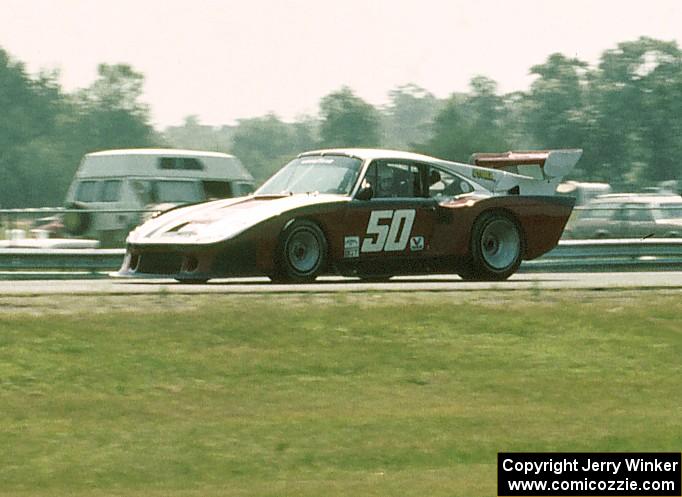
(212, 222)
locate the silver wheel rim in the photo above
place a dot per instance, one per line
(303, 251)
(500, 244)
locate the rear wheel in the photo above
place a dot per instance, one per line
(496, 248)
(302, 253)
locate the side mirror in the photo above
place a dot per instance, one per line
(365, 193)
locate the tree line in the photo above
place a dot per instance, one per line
(625, 112)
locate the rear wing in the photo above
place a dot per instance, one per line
(551, 163)
(522, 173)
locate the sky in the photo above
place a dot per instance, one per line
(225, 60)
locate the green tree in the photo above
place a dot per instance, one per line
(264, 144)
(407, 119)
(662, 102)
(469, 123)
(194, 135)
(556, 102)
(513, 121)
(555, 112)
(44, 132)
(348, 121)
(30, 111)
(635, 93)
(110, 113)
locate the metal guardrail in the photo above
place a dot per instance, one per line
(11, 217)
(21, 263)
(64, 210)
(610, 255)
(568, 256)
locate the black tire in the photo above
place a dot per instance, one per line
(497, 247)
(302, 253)
(466, 272)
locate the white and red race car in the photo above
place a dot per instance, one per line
(368, 213)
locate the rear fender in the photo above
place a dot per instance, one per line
(541, 219)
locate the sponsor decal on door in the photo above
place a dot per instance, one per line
(351, 246)
(416, 243)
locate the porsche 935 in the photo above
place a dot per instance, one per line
(368, 213)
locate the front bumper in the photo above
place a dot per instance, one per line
(189, 262)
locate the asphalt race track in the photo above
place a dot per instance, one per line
(548, 281)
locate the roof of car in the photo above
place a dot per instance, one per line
(372, 153)
(159, 151)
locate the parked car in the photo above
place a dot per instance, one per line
(629, 215)
(365, 212)
(117, 184)
(583, 192)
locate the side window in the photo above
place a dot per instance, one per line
(601, 211)
(636, 213)
(394, 180)
(86, 191)
(177, 191)
(191, 164)
(184, 163)
(110, 191)
(217, 189)
(443, 184)
(623, 214)
(145, 191)
(240, 189)
(167, 163)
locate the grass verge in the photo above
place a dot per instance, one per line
(377, 394)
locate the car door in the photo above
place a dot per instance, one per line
(391, 231)
(103, 196)
(599, 220)
(637, 220)
(444, 187)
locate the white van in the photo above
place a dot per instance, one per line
(117, 183)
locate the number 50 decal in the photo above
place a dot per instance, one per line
(391, 237)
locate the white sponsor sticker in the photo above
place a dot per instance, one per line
(416, 243)
(351, 246)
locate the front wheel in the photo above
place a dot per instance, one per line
(496, 248)
(301, 254)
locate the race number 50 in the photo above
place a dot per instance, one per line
(391, 237)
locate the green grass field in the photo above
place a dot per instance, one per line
(353, 394)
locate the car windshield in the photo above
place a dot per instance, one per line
(323, 174)
(669, 211)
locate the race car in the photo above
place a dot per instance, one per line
(368, 213)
